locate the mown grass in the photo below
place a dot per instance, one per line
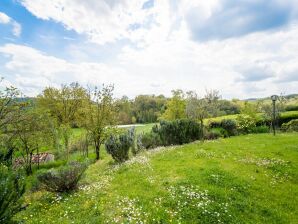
(244, 179)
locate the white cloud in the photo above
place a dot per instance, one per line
(175, 63)
(102, 21)
(33, 70)
(16, 27)
(164, 56)
(4, 19)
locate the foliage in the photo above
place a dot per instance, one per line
(124, 111)
(118, 145)
(175, 108)
(196, 108)
(291, 107)
(7, 149)
(245, 123)
(227, 107)
(63, 179)
(10, 107)
(179, 132)
(142, 109)
(290, 126)
(287, 117)
(230, 126)
(63, 104)
(10, 110)
(81, 145)
(30, 134)
(99, 116)
(147, 108)
(201, 108)
(149, 140)
(250, 109)
(135, 145)
(260, 129)
(12, 187)
(212, 134)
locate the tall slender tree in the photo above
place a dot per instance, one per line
(100, 115)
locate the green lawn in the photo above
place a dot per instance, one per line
(244, 179)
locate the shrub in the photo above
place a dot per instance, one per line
(290, 126)
(12, 187)
(63, 179)
(291, 108)
(135, 146)
(118, 146)
(214, 124)
(149, 140)
(245, 123)
(179, 131)
(211, 134)
(79, 146)
(230, 126)
(260, 129)
(287, 117)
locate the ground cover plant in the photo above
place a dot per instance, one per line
(242, 179)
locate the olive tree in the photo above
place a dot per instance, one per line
(201, 108)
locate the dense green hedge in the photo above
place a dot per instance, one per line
(290, 126)
(176, 132)
(179, 131)
(228, 125)
(285, 117)
(288, 116)
(291, 108)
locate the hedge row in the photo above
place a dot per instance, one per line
(285, 117)
(176, 132)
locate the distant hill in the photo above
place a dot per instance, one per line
(290, 96)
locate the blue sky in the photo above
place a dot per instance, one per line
(243, 48)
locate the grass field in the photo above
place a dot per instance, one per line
(244, 179)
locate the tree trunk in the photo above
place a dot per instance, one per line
(97, 149)
(29, 169)
(37, 158)
(202, 126)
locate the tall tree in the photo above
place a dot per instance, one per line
(30, 134)
(9, 106)
(201, 108)
(64, 105)
(100, 115)
(124, 111)
(10, 109)
(147, 108)
(176, 106)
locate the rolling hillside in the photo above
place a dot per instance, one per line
(244, 179)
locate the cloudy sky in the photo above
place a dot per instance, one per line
(244, 48)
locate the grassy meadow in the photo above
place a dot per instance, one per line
(243, 179)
